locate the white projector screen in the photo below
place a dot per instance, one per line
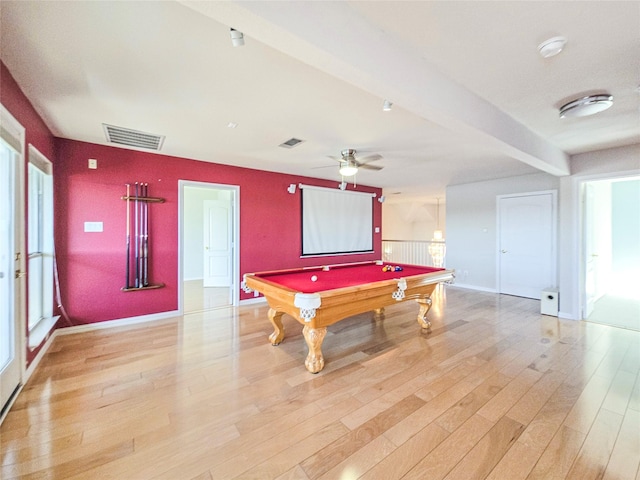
(336, 221)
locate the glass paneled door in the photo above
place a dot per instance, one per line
(11, 261)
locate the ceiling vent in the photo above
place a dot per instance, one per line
(292, 142)
(133, 138)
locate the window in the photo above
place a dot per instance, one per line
(40, 239)
(336, 222)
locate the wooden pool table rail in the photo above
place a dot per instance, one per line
(340, 303)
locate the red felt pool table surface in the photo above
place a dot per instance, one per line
(341, 276)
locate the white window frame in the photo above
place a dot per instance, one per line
(40, 247)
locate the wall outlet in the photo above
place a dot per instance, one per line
(93, 164)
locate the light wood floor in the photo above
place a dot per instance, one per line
(618, 311)
(494, 391)
(198, 298)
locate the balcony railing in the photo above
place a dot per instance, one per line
(414, 252)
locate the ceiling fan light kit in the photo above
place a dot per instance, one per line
(585, 106)
(348, 168)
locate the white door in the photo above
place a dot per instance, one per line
(218, 243)
(526, 244)
(11, 268)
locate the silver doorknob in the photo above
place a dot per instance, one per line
(503, 251)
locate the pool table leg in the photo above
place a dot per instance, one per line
(314, 338)
(425, 306)
(275, 318)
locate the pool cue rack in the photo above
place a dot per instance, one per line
(137, 197)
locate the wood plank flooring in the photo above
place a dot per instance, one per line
(495, 391)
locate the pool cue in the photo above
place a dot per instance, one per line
(126, 283)
(145, 266)
(137, 235)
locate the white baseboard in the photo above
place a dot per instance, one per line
(41, 353)
(250, 301)
(121, 322)
(472, 287)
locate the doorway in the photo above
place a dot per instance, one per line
(611, 252)
(12, 259)
(209, 260)
(526, 243)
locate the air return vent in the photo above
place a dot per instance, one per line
(292, 142)
(133, 138)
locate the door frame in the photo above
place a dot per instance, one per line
(8, 120)
(554, 232)
(581, 253)
(235, 229)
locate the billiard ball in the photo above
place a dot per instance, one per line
(398, 269)
(314, 278)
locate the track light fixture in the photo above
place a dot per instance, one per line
(237, 38)
(386, 106)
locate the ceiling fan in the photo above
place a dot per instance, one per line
(349, 165)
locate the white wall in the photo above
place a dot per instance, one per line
(472, 226)
(611, 163)
(411, 220)
(471, 221)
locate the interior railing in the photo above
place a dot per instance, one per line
(415, 252)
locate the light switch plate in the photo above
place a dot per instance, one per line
(93, 227)
(93, 163)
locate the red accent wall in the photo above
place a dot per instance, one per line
(36, 133)
(92, 265)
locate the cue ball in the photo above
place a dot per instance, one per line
(314, 278)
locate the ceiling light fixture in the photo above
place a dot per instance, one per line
(348, 168)
(586, 106)
(237, 38)
(552, 47)
(386, 106)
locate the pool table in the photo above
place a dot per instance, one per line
(321, 296)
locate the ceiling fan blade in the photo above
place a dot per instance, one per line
(366, 166)
(370, 158)
(323, 166)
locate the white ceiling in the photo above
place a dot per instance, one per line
(473, 99)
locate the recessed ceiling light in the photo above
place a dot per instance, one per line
(586, 106)
(232, 125)
(552, 47)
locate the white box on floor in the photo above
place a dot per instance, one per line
(549, 302)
